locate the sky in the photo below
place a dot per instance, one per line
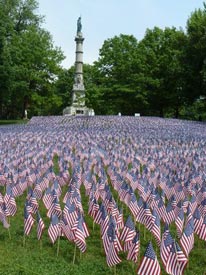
(103, 19)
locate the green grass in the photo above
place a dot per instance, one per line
(17, 121)
(40, 257)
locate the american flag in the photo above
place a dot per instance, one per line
(8, 194)
(111, 246)
(120, 220)
(189, 216)
(128, 196)
(33, 202)
(48, 198)
(11, 206)
(70, 213)
(104, 221)
(44, 183)
(187, 239)
(55, 208)
(193, 203)
(38, 190)
(152, 197)
(202, 207)
(134, 248)
(198, 220)
(1, 199)
(88, 182)
(156, 229)
(128, 233)
(200, 195)
(85, 228)
(76, 198)
(29, 179)
(149, 263)
(57, 188)
(10, 201)
(139, 207)
(54, 229)
(177, 208)
(179, 192)
(177, 260)
(66, 229)
(3, 218)
(173, 201)
(166, 244)
(169, 215)
(28, 221)
(79, 234)
(108, 199)
(133, 205)
(161, 208)
(185, 204)
(145, 216)
(123, 191)
(77, 175)
(40, 225)
(114, 211)
(93, 207)
(202, 231)
(98, 217)
(179, 222)
(2, 179)
(50, 174)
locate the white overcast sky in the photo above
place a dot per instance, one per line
(103, 19)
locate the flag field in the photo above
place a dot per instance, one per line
(103, 195)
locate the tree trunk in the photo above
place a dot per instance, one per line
(25, 105)
(161, 112)
(177, 112)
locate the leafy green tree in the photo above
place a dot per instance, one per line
(5, 58)
(29, 58)
(196, 54)
(63, 87)
(36, 67)
(119, 70)
(162, 54)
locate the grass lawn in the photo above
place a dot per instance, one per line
(13, 121)
(40, 257)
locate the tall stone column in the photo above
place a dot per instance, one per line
(78, 92)
(78, 106)
(79, 56)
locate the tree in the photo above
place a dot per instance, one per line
(29, 58)
(118, 69)
(36, 67)
(196, 54)
(5, 58)
(162, 53)
(63, 87)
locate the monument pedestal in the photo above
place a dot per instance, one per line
(78, 111)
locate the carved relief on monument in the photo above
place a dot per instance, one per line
(78, 79)
(78, 82)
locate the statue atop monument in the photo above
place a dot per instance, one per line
(79, 25)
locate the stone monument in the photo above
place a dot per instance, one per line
(78, 106)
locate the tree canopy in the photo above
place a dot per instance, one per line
(29, 63)
(164, 74)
